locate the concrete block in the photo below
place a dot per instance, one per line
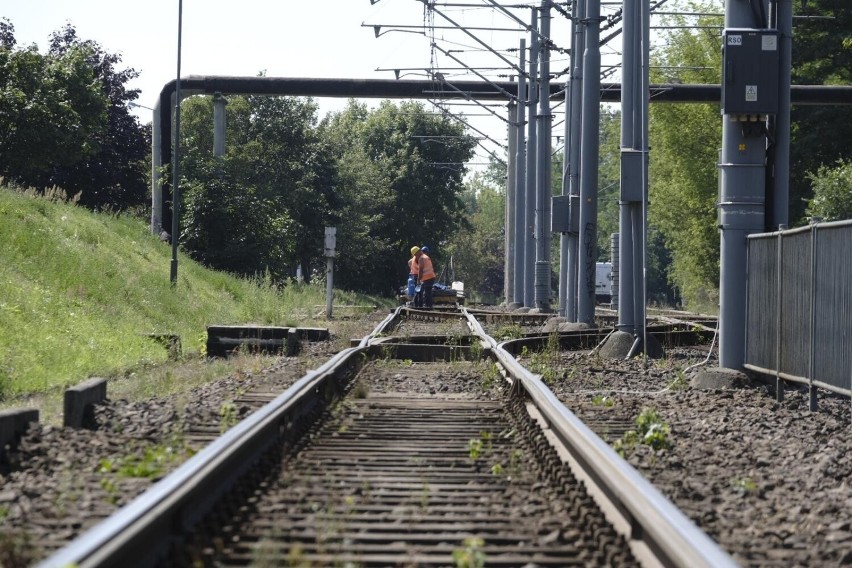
(313, 333)
(79, 400)
(13, 423)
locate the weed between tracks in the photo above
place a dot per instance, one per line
(17, 549)
(546, 361)
(490, 376)
(651, 430)
(476, 448)
(507, 332)
(227, 416)
(151, 462)
(601, 400)
(744, 486)
(471, 554)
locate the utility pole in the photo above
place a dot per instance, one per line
(175, 167)
(634, 174)
(532, 149)
(589, 154)
(520, 180)
(742, 200)
(219, 125)
(509, 207)
(543, 172)
(783, 16)
(571, 175)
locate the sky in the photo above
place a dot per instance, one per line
(283, 38)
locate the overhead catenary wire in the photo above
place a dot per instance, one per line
(440, 46)
(479, 142)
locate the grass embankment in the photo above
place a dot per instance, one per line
(80, 292)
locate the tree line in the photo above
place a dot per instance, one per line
(65, 121)
(387, 178)
(685, 138)
(393, 176)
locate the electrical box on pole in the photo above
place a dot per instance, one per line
(560, 217)
(632, 173)
(750, 65)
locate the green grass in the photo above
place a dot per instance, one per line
(80, 292)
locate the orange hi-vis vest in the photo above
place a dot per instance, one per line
(413, 269)
(426, 270)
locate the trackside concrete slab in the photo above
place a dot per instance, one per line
(79, 400)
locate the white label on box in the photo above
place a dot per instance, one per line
(751, 93)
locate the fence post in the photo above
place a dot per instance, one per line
(812, 391)
(779, 290)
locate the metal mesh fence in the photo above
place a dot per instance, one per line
(762, 302)
(800, 304)
(833, 306)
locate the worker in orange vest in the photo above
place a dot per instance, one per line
(426, 276)
(413, 273)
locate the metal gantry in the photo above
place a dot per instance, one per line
(529, 125)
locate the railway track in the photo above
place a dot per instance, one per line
(426, 444)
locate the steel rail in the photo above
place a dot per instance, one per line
(675, 540)
(141, 532)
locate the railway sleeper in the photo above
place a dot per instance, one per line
(363, 482)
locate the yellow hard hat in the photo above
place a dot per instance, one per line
(415, 250)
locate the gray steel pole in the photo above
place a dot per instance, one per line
(532, 148)
(509, 207)
(329, 248)
(156, 163)
(634, 171)
(565, 237)
(173, 272)
(219, 125)
(329, 287)
(640, 114)
(589, 155)
(643, 99)
(520, 180)
(741, 213)
(574, 124)
(219, 103)
(629, 179)
(781, 204)
(543, 172)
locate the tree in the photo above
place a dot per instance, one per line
(822, 55)
(263, 207)
(236, 228)
(278, 138)
(609, 176)
(7, 34)
(685, 138)
(478, 251)
(683, 178)
(114, 176)
(832, 189)
(51, 111)
(401, 175)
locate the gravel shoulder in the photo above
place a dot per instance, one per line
(770, 481)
